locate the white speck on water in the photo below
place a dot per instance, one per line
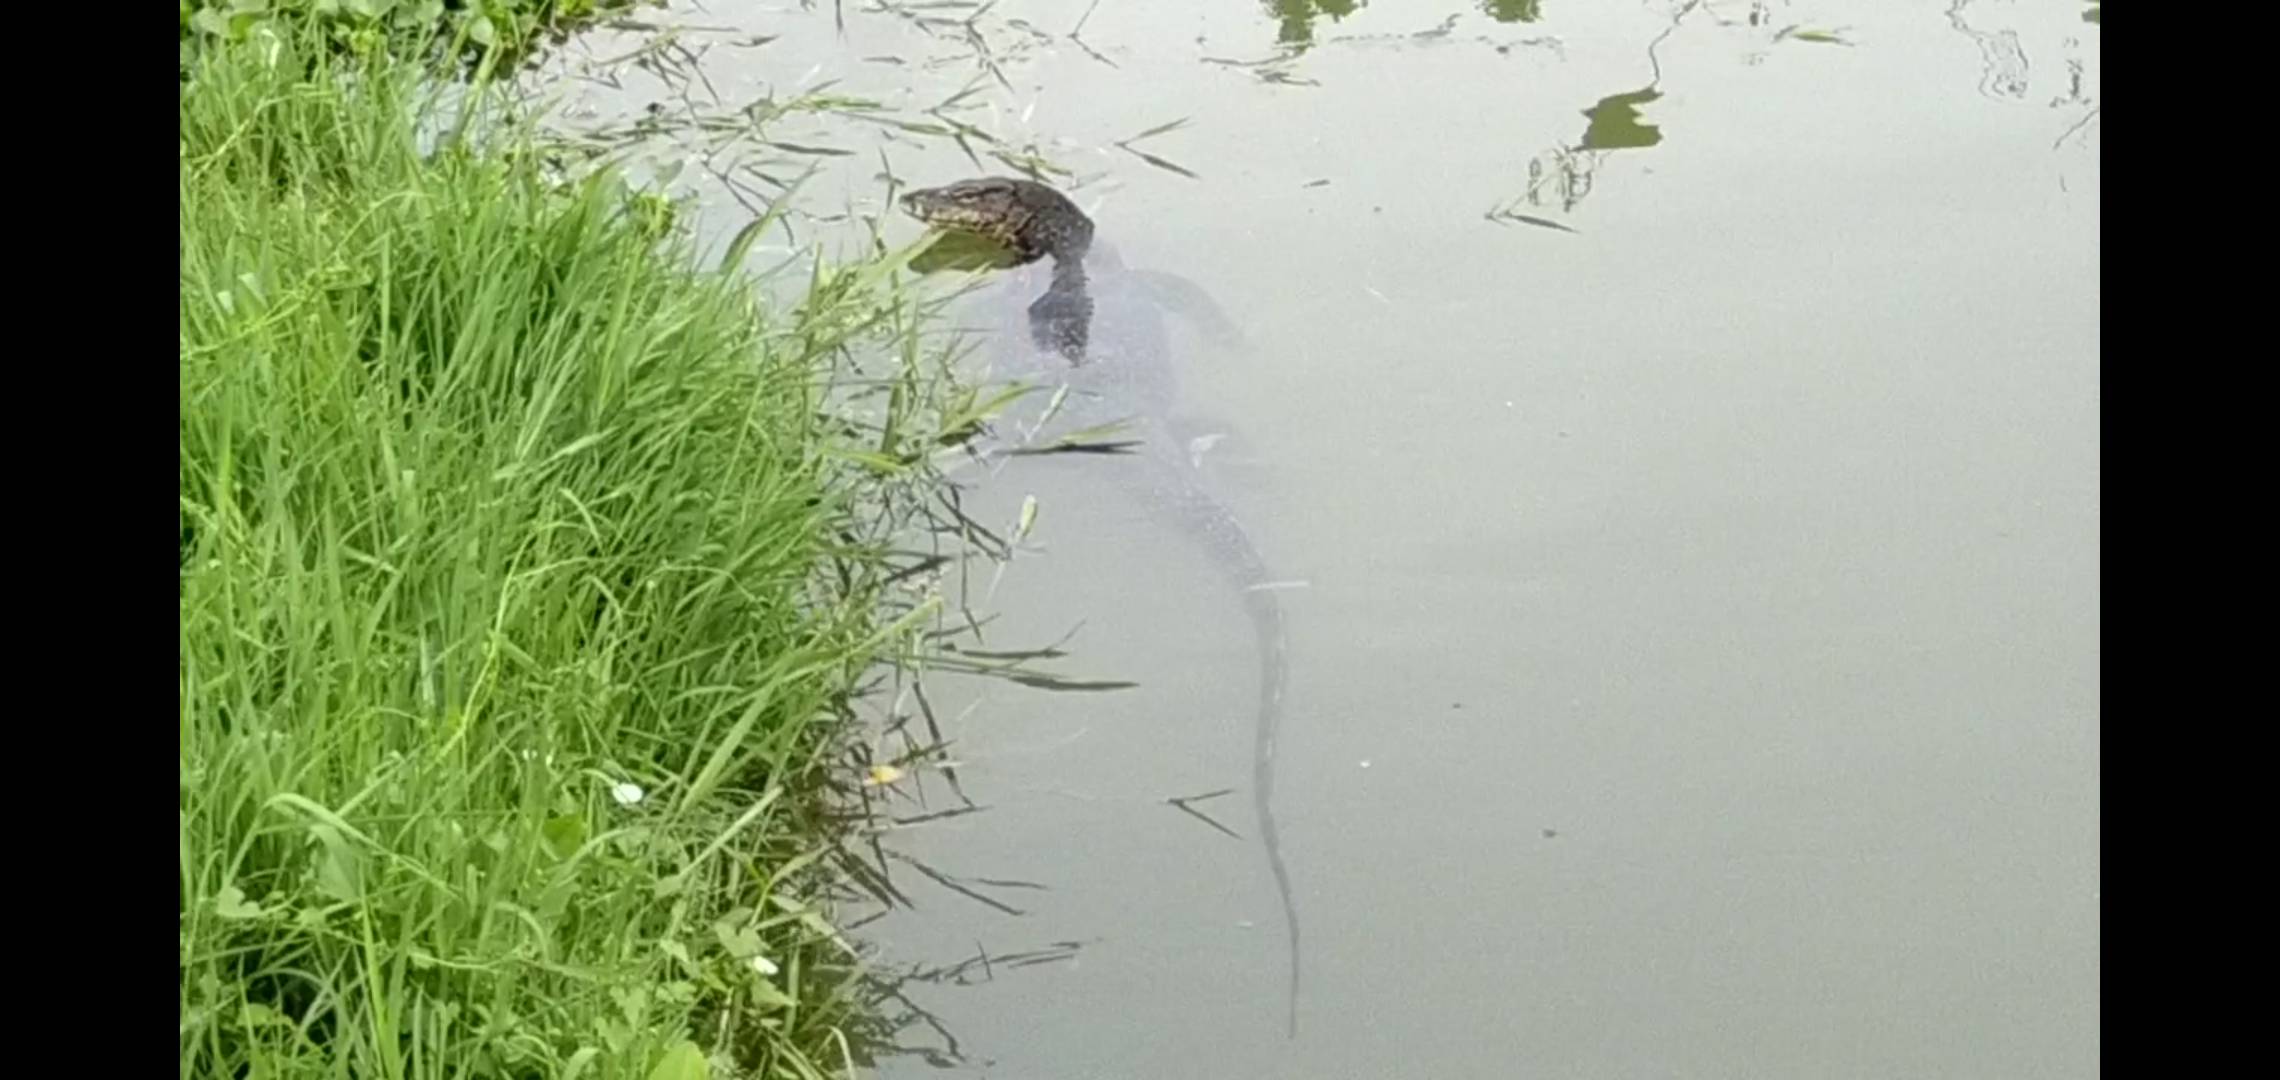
(1365, 763)
(1201, 445)
(1295, 583)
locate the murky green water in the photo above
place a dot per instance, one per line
(1685, 421)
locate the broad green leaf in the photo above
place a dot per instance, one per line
(741, 942)
(340, 870)
(683, 1062)
(768, 996)
(564, 835)
(230, 903)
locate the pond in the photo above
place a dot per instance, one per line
(1673, 432)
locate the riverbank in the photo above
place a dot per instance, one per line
(527, 575)
(402, 27)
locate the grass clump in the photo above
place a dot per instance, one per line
(523, 588)
(405, 27)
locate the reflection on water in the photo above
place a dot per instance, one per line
(1698, 670)
(1294, 19)
(1508, 11)
(1563, 175)
(1616, 123)
(2006, 61)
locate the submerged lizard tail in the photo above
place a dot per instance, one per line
(1238, 558)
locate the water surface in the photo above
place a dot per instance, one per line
(1684, 419)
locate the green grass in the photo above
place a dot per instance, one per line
(494, 510)
(402, 26)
